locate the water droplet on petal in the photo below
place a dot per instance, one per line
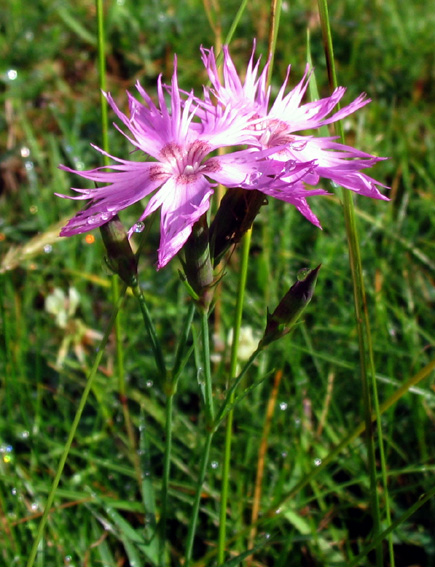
(139, 226)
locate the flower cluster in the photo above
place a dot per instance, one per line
(181, 139)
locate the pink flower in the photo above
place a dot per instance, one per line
(278, 128)
(178, 181)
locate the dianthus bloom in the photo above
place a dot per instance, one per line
(277, 127)
(180, 139)
(180, 175)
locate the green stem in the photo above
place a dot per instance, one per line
(209, 412)
(209, 404)
(171, 388)
(197, 500)
(246, 242)
(73, 430)
(155, 343)
(361, 314)
(166, 476)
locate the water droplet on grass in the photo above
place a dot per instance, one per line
(283, 406)
(48, 248)
(214, 465)
(317, 462)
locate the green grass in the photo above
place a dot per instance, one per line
(51, 113)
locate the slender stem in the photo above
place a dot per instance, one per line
(209, 404)
(166, 476)
(209, 412)
(171, 388)
(261, 463)
(195, 508)
(361, 313)
(246, 242)
(155, 343)
(73, 430)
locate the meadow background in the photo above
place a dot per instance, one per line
(50, 114)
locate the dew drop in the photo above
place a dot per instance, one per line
(48, 248)
(302, 274)
(14, 491)
(317, 462)
(92, 220)
(284, 454)
(105, 216)
(78, 163)
(34, 506)
(283, 406)
(29, 165)
(278, 511)
(214, 465)
(25, 152)
(139, 226)
(12, 74)
(29, 35)
(149, 383)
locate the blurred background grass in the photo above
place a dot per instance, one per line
(50, 100)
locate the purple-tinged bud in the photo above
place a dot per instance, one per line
(289, 309)
(120, 256)
(237, 211)
(197, 263)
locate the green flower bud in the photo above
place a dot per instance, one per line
(120, 257)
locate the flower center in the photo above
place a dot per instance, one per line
(184, 160)
(275, 133)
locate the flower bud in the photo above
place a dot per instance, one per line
(120, 257)
(197, 263)
(237, 211)
(283, 319)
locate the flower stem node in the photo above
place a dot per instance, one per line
(291, 306)
(120, 257)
